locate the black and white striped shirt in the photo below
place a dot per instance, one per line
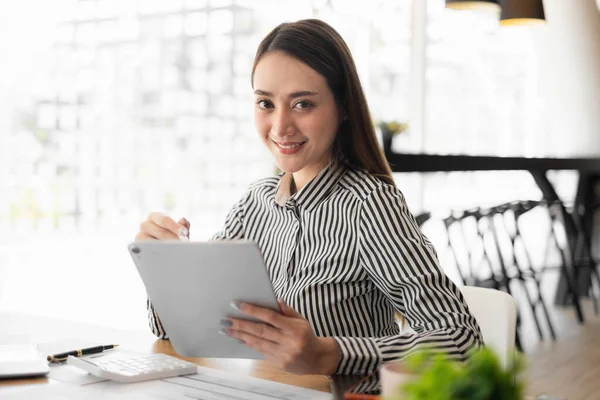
(345, 252)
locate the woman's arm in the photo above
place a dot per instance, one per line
(404, 266)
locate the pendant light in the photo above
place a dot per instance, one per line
(522, 12)
(474, 5)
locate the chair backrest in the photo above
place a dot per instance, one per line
(496, 313)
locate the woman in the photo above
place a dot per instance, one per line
(341, 247)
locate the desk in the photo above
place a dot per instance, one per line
(581, 220)
(44, 329)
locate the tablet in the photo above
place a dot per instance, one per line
(21, 359)
(192, 285)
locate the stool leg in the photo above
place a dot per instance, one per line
(537, 282)
(584, 248)
(517, 237)
(567, 264)
(467, 247)
(485, 257)
(521, 277)
(506, 280)
(449, 245)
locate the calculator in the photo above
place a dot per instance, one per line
(136, 368)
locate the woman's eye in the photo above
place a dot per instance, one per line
(303, 105)
(264, 104)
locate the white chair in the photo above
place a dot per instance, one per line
(496, 313)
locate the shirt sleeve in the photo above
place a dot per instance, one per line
(403, 265)
(232, 229)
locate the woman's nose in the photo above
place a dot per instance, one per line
(282, 123)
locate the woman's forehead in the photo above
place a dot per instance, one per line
(278, 72)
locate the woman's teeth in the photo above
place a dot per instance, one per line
(289, 146)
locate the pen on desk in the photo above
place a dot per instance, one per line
(80, 352)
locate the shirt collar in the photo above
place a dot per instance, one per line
(312, 193)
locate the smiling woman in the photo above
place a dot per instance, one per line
(342, 249)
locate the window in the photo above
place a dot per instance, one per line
(128, 107)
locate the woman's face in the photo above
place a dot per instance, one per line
(295, 115)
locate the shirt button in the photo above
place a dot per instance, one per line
(293, 206)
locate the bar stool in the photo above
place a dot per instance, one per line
(482, 266)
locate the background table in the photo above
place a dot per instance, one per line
(585, 199)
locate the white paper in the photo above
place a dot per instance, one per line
(60, 391)
(211, 384)
(207, 384)
(72, 375)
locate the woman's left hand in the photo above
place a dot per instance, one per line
(286, 340)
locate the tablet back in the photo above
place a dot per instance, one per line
(192, 285)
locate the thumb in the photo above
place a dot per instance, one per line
(288, 311)
(184, 222)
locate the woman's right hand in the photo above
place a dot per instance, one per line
(159, 226)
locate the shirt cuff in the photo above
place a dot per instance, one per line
(359, 356)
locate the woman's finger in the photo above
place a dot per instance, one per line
(184, 222)
(264, 314)
(151, 229)
(166, 222)
(258, 329)
(144, 236)
(259, 344)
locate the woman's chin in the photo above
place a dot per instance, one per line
(288, 167)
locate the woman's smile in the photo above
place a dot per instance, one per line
(288, 148)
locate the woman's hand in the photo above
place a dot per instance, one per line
(159, 226)
(286, 340)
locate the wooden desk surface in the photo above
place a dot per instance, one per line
(45, 330)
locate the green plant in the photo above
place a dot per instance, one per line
(391, 128)
(480, 377)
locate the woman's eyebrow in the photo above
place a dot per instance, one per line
(290, 96)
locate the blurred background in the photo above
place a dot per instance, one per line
(111, 109)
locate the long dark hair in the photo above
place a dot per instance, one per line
(318, 45)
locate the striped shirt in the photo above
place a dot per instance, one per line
(346, 252)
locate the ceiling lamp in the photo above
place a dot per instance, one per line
(474, 5)
(522, 12)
